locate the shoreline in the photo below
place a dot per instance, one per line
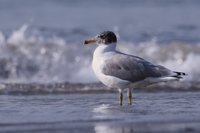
(66, 87)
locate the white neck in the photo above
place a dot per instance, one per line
(100, 54)
(102, 48)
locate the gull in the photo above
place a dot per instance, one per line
(122, 71)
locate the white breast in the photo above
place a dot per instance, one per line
(99, 56)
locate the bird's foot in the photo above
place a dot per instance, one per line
(120, 98)
(130, 100)
(129, 97)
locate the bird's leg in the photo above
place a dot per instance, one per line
(120, 97)
(129, 96)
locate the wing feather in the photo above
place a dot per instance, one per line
(132, 68)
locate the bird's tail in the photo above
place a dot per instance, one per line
(179, 75)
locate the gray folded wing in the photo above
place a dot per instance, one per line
(132, 68)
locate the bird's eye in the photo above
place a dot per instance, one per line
(101, 36)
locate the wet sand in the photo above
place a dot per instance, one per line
(103, 127)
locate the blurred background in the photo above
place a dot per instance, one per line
(42, 41)
(46, 79)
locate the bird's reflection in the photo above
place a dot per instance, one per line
(109, 128)
(110, 115)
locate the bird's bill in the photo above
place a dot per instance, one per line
(90, 41)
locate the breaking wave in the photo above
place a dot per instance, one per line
(27, 55)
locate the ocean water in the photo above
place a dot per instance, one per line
(46, 79)
(100, 113)
(42, 41)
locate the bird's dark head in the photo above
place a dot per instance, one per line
(106, 37)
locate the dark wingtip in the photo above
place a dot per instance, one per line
(180, 74)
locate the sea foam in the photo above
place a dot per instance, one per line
(34, 57)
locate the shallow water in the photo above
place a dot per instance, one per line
(177, 111)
